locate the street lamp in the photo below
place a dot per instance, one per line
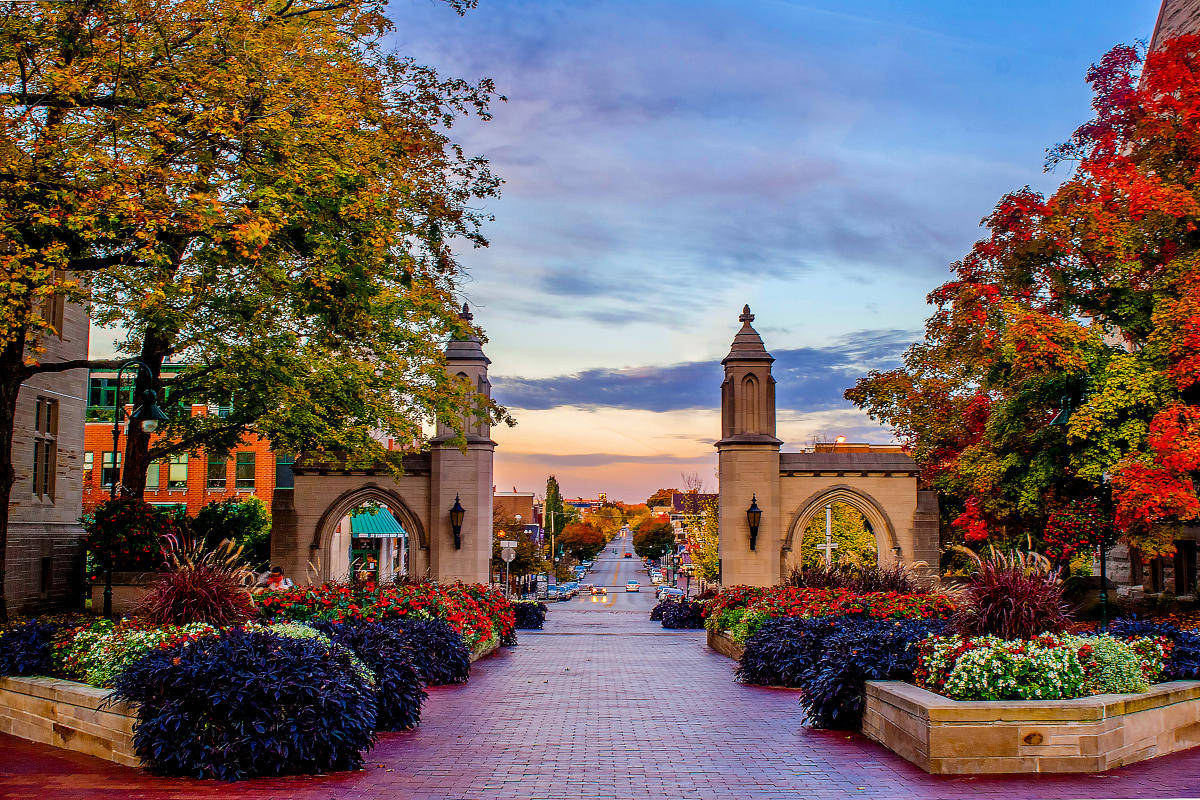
(149, 415)
(753, 518)
(457, 512)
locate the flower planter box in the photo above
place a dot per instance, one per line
(725, 645)
(486, 649)
(1088, 734)
(73, 716)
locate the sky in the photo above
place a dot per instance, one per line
(667, 162)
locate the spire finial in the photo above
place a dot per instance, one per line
(746, 315)
(466, 314)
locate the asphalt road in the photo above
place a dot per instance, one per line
(614, 571)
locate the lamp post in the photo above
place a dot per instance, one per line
(457, 513)
(149, 415)
(753, 518)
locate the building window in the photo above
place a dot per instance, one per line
(245, 471)
(177, 472)
(218, 472)
(45, 447)
(109, 467)
(153, 476)
(102, 392)
(89, 464)
(52, 312)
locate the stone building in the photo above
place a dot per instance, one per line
(45, 557)
(790, 489)
(1175, 17)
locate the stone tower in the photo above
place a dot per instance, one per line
(465, 476)
(748, 461)
(1175, 17)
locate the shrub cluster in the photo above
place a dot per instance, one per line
(858, 578)
(385, 649)
(478, 613)
(530, 615)
(831, 658)
(656, 613)
(28, 648)
(436, 650)
(683, 614)
(742, 608)
(1012, 596)
(1183, 662)
(249, 703)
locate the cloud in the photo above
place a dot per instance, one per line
(808, 378)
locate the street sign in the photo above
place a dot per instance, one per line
(507, 554)
(507, 543)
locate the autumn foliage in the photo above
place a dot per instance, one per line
(1086, 301)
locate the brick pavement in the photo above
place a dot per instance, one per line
(602, 704)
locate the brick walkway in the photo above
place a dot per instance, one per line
(602, 704)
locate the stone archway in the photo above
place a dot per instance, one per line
(874, 513)
(322, 543)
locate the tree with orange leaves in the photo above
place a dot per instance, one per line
(1059, 373)
(255, 188)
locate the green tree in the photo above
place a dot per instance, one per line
(528, 559)
(654, 538)
(245, 521)
(257, 189)
(702, 540)
(855, 543)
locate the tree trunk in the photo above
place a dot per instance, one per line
(155, 347)
(13, 370)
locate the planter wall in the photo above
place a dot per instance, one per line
(486, 649)
(73, 716)
(1088, 734)
(128, 590)
(725, 645)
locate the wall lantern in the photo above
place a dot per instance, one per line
(457, 512)
(753, 518)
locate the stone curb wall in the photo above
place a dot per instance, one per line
(1087, 734)
(73, 716)
(725, 645)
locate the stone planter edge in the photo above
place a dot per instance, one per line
(1088, 734)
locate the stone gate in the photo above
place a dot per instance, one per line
(791, 488)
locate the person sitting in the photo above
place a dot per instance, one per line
(276, 580)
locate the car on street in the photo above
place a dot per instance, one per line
(599, 590)
(633, 586)
(587, 587)
(569, 589)
(671, 592)
(629, 555)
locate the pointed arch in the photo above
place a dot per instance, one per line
(322, 534)
(750, 404)
(878, 521)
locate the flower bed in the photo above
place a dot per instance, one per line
(1047, 667)
(479, 614)
(742, 609)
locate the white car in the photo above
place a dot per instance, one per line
(633, 586)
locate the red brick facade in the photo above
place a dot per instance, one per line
(197, 489)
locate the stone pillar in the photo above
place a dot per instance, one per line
(463, 474)
(748, 463)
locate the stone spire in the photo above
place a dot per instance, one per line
(469, 348)
(747, 344)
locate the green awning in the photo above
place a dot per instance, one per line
(379, 525)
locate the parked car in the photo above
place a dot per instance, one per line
(633, 586)
(571, 588)
(599, 590)
(587, 587)
(671, 592)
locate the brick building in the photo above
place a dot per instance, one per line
(190, 480)
(44, 552)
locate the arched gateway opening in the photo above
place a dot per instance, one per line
(371, 533)
(879, 482)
